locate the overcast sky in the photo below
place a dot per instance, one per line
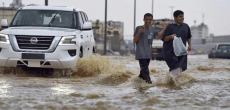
(216, 12)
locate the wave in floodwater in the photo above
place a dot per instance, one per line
(110, 71)
(86, 67)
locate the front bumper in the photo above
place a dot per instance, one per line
(222, 55)
(59, 59)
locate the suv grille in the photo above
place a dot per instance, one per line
(34, 42)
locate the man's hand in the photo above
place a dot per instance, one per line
(141, 30)
(136, 38)
(168, 38)
(189, 48)
(172, 36)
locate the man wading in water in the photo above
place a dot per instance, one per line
(143, 38)
(177, 64)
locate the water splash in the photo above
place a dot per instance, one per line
(165, 79)
(95, 65)
(116, 79)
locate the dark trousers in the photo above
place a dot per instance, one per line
(144, 72)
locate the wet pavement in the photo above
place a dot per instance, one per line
(111, 83)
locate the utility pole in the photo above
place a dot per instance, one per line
(152, 6)
(134, 24)
(3, 10)
(171, 12)
(105, 35)
(203, 18)
(46, 2)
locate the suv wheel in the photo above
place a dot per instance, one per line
(81, 53)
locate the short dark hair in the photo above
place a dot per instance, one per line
(177, 13)
(148, 14)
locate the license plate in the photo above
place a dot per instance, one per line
(154, 50)
(32, 56)
(225, 51)
(34, 64)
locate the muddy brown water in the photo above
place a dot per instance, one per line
(111, 83)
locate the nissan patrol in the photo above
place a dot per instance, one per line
(46, 37)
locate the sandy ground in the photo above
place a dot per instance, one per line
(111, 83)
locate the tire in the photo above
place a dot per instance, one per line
(81, 53)
(93, 51)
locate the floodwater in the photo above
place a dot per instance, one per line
(111, 83)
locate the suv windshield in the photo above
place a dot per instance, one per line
(45, 18)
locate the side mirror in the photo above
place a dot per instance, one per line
(4, 23)
(87, 26)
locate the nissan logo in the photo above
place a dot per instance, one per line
(33, 40)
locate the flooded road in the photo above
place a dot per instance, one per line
(111, 83)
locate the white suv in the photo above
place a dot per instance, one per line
(46, 37)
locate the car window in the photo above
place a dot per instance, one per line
(45, 18)
(224, 47)
(83, 17)
(86, 18)
(77, 20)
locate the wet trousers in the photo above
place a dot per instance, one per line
(176, 73)
(144, 72)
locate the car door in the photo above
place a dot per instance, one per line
(87, 36)
(83, 35)
(90, 37)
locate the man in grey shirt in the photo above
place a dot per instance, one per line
(143, 38)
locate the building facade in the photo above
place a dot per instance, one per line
(16, 4)
(115, 37)
(203, 42)
(200, 34)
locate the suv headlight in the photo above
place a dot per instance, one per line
(4, 39)
(68, 40)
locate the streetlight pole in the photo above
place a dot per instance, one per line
(134, 24)
(46, 2)
(171, 11)
(105, 27)
(3, 10)
(152, 6)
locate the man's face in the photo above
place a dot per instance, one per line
(148, 20)
(179, 19)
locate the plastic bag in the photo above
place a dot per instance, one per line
(179, 47)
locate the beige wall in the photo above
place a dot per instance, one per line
(7, 14)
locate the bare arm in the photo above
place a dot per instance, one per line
(189, 40)
(168, 38)
(189, 44)
(162, 31)
(136, 38)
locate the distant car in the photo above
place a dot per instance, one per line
(220, 51)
